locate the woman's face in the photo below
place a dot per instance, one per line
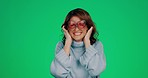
(77, 28)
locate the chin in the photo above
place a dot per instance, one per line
(78, 39)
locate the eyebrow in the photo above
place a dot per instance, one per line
(74, 21)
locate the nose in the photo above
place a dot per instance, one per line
(76, 28)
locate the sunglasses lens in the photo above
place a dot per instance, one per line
(72, 26)
(81, 24)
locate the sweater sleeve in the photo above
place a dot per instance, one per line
(94, 59)
(60, 66)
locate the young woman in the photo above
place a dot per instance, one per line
(79, 54)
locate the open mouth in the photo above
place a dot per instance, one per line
(77, 33)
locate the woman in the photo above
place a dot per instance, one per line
(80, 54)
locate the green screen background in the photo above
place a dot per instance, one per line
(30, 30)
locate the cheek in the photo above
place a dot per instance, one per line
(70, 32)
(84, 32)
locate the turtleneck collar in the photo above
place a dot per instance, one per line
(77, 44)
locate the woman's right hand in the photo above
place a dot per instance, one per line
(67, 35)
(68, 41)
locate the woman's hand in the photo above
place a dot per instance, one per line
(87, 37)
(68, 41)
(67, 35)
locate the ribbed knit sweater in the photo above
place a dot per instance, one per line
(82, 62)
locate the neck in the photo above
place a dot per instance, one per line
(78, 44)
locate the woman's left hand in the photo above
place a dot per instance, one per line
(87, 37)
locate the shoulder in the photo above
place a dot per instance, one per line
(98, 46)
(98, 43)
(60, 44)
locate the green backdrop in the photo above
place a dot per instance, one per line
(30, 30)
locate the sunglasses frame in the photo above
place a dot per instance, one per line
(77, 25)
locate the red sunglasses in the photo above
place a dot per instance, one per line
(81, 24)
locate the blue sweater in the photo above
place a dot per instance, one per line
(82, 62)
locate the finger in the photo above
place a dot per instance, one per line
(90, 30)
(64, 29)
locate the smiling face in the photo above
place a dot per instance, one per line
(77, 33)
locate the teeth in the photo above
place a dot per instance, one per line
(77, 33)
